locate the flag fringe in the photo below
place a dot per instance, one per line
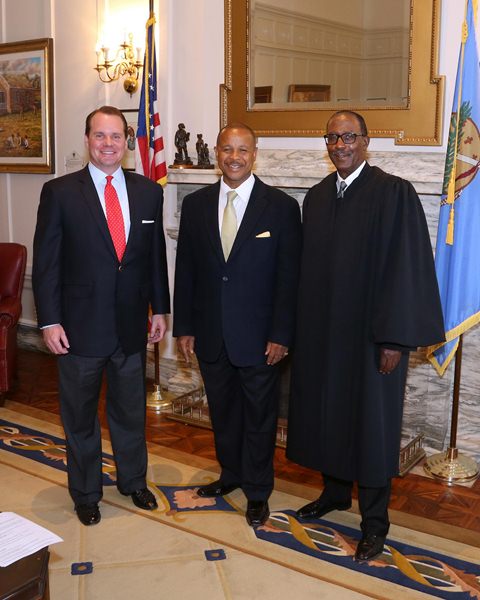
(451, 335)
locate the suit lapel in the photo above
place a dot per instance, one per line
(89, 192)
(255, 207)
(131, 192)
(210, 211)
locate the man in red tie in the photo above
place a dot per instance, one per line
(99, 262)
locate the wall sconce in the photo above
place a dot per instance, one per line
(122, 65)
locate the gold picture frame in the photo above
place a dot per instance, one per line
(26, 107)
(418, 123)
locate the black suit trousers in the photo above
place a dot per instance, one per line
(80, 380)
(372, 501)
(243, 404)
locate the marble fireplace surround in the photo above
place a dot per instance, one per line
(428, 397)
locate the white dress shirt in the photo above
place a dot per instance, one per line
(118, 182)
(351, 178)
(240, 203)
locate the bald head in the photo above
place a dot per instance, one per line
(354, 115)
(239, 126)
(236, 151)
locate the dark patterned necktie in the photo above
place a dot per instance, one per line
(115, 222)
(341, 189)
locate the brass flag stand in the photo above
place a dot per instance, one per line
(155, 401)
(450, 466)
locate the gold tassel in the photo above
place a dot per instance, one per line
(450, 200)
(451, 219)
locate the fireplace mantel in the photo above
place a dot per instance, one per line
(305, 168)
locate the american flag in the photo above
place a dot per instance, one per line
(149, 149)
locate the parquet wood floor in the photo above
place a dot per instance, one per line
(412, 496)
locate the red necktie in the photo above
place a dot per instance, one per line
(115, 218)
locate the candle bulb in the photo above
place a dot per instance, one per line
(139, 55)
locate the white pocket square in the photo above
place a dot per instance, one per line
(144, 221)
(264, 234)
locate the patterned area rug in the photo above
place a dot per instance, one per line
(413, 565)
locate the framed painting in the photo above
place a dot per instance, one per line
(131, 114)
(26, 107)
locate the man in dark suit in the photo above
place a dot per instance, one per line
(99, 261)
(235, 296)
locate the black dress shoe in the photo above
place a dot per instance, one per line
(144, 499)
(319, 507)
(88, 514)
(369, 547)
(216, 488)
(257, 512)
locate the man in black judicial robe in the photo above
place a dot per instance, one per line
(368, 295)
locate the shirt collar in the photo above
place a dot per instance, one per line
(99, 176)
(244, 190)
(351, 178)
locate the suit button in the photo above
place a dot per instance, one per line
(120, 267)
(224, 278)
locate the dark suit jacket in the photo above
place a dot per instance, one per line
(251, 298)
(77, 279)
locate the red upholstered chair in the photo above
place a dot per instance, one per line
(13, 258)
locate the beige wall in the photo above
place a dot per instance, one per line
(386, 13)
(349, 12)
(355, 13)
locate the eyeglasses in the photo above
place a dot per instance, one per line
(347, 138)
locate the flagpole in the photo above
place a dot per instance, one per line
(451, 184)
(155, 401)
(451, 466)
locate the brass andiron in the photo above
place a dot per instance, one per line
(450, 466)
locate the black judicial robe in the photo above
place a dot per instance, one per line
(367, 281)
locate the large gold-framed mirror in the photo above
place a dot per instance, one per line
(255, 29)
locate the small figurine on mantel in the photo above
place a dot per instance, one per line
(203, 154)
(206, 157)
(181, 156)
(200, 147)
